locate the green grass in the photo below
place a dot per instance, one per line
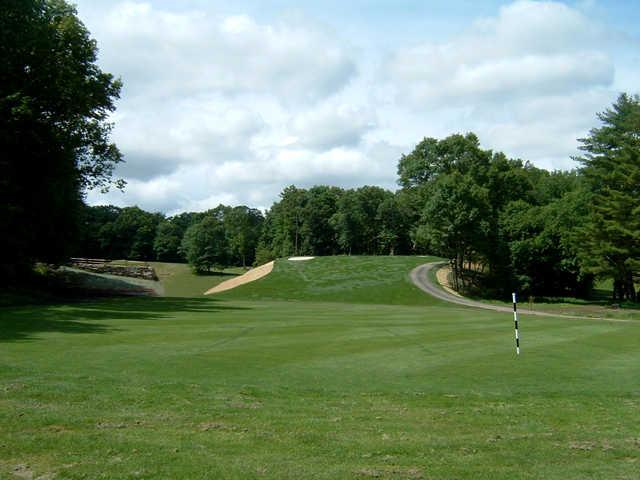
(178, 280)
(356, 279)
(378, 387)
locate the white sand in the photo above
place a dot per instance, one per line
(300, 259)
(251, 276)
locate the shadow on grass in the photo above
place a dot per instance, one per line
(24, 323)
(217, 274)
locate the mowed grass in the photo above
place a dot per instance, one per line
(348, 279)
(219, 387)
(178, 280)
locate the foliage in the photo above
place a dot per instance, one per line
(243, 227)
(455, 221)
(611, 238)
(54, 134)
(321, 204)
(205, 245)
(166, 244)
(357, 222)
(131, 235)
(432, 157)
(543, 251)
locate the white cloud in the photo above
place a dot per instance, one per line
(157, 138)
(161, 53)
(220, 108)
(530, 48)
(330, 126)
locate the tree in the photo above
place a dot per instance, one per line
(319, 237)
(131, 235)
(394, 219)
(455, 222)
(611, 164)
(243, 227)
(92, 221)
(166, 244)
(432, 157)
(542, 249)
(54, 134)
(346, 222)
(287, 219)
(357, 223)
(205, 245)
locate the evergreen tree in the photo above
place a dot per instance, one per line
(611, 236)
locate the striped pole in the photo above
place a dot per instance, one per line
(515, 320)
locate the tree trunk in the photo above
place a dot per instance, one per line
(453, 264)
(617, 290)
(630, 288)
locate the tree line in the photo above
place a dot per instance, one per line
(217, 238)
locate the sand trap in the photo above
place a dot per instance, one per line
(251, 276)
(442, 274)
(300, 259)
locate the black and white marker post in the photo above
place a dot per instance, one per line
(515, 320)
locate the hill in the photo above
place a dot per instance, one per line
(350, 279)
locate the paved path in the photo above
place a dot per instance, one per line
(420, 278)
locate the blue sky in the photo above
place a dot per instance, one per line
(231, 102)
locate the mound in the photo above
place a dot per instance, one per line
(343, 279)
(250, 276)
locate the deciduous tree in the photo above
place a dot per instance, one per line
(54, 134)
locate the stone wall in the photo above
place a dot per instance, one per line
(135, 271)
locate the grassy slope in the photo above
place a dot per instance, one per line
(339, 279)
(178, 280)
(223, 388)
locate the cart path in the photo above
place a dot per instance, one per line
(420, 278)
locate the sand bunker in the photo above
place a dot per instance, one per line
(442, 274)
(300, 259)
(251, 276)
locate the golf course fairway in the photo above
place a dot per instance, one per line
(333, 368)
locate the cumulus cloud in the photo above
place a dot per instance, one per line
(161, 53)
(258, 181)
(220, 108)
(158, 138)
(530, 48)
(330, 126)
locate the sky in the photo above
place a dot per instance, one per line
(230, 102)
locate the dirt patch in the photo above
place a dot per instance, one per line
(390, 472)
(251, 276)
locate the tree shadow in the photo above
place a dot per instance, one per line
(217, 274)
(95, 316)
